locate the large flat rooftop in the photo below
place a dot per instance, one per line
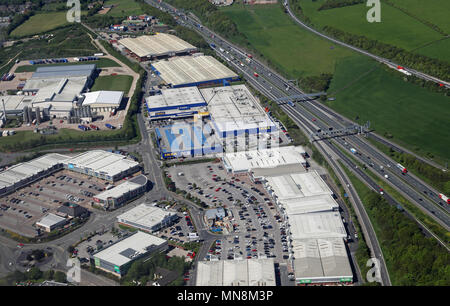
(19, 172)
(121, 189)
(321, 260)
(125, 250)
(192, 70)
(156, 45)
(265, 158)
(144, 215)
(247, 272)
(175, 98)
(64, 71)
(101, 162)
(310, 204)
(317, 225)
(234, 108)
(298, 185)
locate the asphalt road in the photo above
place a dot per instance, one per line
(271, 90)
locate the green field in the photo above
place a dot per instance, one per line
(434, 11)
(101, 63)
(113, 82)
(435, 50)
(292, 50)
(41, 23)
(396, 28)
(63, 136)
(123, 8)
(417, 118)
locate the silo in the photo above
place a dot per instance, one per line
(30, 114)
(38, 115)
(25, 115)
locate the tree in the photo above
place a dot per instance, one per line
(60, 277)
(35, 273)
(49, 275)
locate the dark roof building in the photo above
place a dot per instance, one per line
(72, 210)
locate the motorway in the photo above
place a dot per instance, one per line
(418, 192)
(422, 195)
(274, 86)
(273, 92)
(378, 58)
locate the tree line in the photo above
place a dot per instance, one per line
(211, 15)
(330, 4)
(419, 62)
(412, 258)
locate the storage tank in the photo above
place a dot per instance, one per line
(30, 114)
(38, 115)
(25, 115)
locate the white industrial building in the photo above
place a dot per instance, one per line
(245, 161)
(118, 195)
(147, 217)
(175, 103)
(193, 71)
(235, 111)
(247, 272)
(103, 100)
(51, 222)
(23, 174)
(12, 105)
(303, 205)
(297, 185)
(146, 47)
(118, 257)
(102, 164)
(321, 261)
(56, 89)
(317, 225)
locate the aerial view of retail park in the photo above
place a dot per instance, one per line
(217, 143)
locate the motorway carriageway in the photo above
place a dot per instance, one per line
(321, 112)
(408, 184)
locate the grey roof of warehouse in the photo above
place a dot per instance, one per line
(56, 89)
(51, 220)
(235, 106)
(156, 45)
(297, 185)
(192, 69)
(247, 272)
(326, 224)
(267, 158)
(321, 259)
(174, 97)
(119, 190)
(102, 162)
(310, 204)
(64, 71)
(145, 215)
(13, 104)
(102, 98)
(18, 172)
(124, 251)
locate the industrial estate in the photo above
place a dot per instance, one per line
(168, 154)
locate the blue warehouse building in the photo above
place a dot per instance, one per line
(187, 140)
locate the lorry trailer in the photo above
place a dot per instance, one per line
(444, 198)
(403, 169)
